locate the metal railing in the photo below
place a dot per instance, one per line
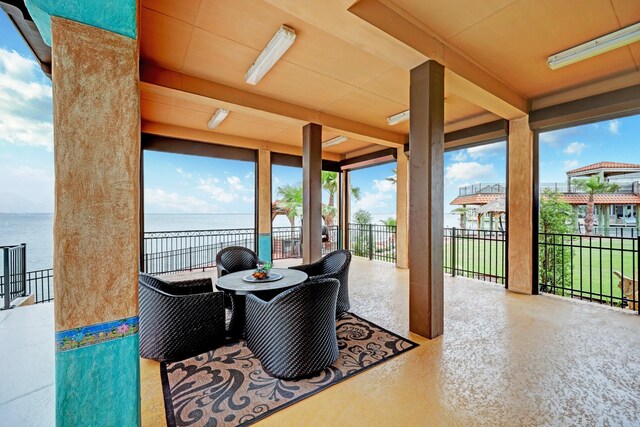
(479, 254)
(287, 241)
(563, 187)
(14, 274)
(376, 242)
(629, 232)
(481, 188)
(590, 268)
(172, 251)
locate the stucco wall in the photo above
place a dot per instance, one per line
(97, 158)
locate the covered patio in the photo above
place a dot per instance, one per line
(180, 77)
(504, 359)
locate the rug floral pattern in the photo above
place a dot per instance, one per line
(228, 386)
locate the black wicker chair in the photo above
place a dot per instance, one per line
(294, 334)
(235, 258)
(335, 266)
(179, 319)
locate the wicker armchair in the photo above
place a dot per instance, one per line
(335, 266)
(179, 319)
(235, 258)
(294, 334)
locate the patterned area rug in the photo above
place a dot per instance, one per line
(228, 386)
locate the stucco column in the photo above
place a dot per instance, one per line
(520, 221)
(345, 208)
(402, 210)
(264, 205)
(311, 192)
(96, 116)
(426, 200)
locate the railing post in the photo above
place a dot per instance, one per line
(453, 252)
(370, 241)
(23, 272)
(7, 285)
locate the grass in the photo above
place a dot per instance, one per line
(590, 268)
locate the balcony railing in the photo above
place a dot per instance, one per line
(287, 241)
(172, 251)
(482, 188)
(563, 187)
(376, 242)
(478, 254)
(14, 274)
(590, 268)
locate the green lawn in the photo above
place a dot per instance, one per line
(590, 268)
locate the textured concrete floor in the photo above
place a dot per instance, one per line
(26, 366)
(505, 359)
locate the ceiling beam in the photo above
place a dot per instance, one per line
(252, 103)
(464, 78)
(197, 135)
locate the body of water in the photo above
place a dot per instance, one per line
(36, 230)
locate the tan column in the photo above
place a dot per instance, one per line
(311, 192)
(345, 207)
(402, 210)
(520, 220)
(96, 116)
(264, 205)
(426, 199)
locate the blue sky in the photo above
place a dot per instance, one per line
(178, 183)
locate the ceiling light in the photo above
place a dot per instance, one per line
(334, 141)
(280, 42)
(398, 118)
(217, 118)
(595, 47)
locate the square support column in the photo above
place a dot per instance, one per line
(520, 222)
(402, 210)
(96, 115)
(426, 200)
(311, 192)
(345, 208)
(264, 205)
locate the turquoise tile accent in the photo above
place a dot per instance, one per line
(118, 16)
(99, 385)
(95, 334)
(264, 247)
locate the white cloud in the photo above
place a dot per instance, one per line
(575, 148)
(248, 199)
(553, 137)
(371, 201)
(459, 156)
(26, 111)
(383, 185)
(235, 183)
(183, 173)
(211, 187)
(469, 171)
(174, 202)
(486, 150)
(250, 175)
(614, 126)
(30, 189)
(570, 164)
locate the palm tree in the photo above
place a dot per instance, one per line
(389, 222)
(592, 186)
(330, 184)
(291, 201)
(393, 178)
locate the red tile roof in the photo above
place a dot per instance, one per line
(602, 199)
(604, 165)
(476, 199)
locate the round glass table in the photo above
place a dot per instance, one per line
(234, 285)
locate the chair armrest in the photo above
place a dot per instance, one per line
(310, 269)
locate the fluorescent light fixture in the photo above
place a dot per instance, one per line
(398, 118)
(334, 141)
(595, 47)
(217, 118)
(279, 44)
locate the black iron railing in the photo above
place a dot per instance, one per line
(481, 188)
(376, 242)
(287, 241)
(479, 254)
(172, 251)
(14, 274)
(601, 269)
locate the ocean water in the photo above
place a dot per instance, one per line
(36, 230)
